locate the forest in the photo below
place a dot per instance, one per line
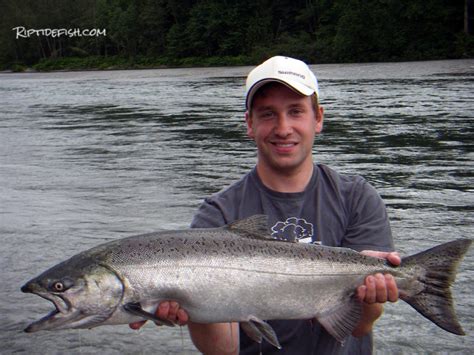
(109, 34)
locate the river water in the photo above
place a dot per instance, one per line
(87, 157)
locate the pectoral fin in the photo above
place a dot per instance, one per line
(137, 310)
(256, 329)
(340, 320)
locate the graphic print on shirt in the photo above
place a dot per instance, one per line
(293, 229)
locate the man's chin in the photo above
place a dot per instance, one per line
(288, 165)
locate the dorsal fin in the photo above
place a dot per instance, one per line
(255, 227)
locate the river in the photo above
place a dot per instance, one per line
(87, 157)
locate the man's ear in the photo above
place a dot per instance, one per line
(249, 121)
(319, 120)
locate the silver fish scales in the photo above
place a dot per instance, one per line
(237, 273)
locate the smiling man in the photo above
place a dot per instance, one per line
(305, 202)
(283, 124)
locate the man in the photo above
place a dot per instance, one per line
(305, 202)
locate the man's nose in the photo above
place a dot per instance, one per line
(282, 126)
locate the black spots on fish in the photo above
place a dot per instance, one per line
(233, 247)
(173, 252)
(334, 258)
(157, 252)
(134, 254)
(203, 242)
(315, 254)
(252, 248)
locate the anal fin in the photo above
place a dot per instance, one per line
(136, 309)
(340, 320)
(256, 329)
(252, 331)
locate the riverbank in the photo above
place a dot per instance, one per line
(142, 62)
(120, 63)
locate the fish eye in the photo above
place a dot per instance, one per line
(61, 285)
(58, 286)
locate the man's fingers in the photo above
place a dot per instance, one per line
(167, 310)
(392, 288)
(173, 310)
(380, 288)
(163, 310)
(370, 292)
(182, 317)
(394, 258)
(137, 325)
(361, 292)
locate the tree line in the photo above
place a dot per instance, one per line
(218, 32)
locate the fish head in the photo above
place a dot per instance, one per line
(85, 294)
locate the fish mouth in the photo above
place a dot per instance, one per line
(63, 316)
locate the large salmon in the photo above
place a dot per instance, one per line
(237, 273)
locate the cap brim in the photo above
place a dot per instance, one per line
(293, 85)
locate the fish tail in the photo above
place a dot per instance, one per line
(439, 266)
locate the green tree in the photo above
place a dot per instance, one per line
(140, 31)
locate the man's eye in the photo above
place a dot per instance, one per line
(266, 115)
(296, 112)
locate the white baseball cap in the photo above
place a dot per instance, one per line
(289, 71)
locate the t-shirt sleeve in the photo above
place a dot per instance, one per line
(208, 215)
(369, 227)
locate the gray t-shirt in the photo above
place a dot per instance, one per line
(334, 210)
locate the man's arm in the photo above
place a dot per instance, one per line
(215, 338)
(210, 339)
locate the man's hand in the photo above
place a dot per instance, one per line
(168, 310)
(377, 289)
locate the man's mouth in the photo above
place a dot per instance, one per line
(284, 147)
(285, 144)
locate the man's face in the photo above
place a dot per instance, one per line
(283, 124)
